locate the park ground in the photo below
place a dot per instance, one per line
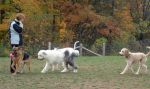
(94, 73)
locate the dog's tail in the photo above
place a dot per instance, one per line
(148, 52)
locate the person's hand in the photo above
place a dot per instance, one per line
(21, 24)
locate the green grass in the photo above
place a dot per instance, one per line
(94, 73)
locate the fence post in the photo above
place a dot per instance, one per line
(49, 45)
(81, 49)
(104, 47)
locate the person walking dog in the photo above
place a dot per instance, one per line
(15, 33)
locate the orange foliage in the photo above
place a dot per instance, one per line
(111, 28)
(125, 19)
(104, 32)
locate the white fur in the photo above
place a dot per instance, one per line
(52, 57)
(71, 51)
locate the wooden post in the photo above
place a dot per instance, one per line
(91, 51)
(104, 47)
(81, 49)
(49, 45)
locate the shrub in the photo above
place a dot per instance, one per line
(97, 46)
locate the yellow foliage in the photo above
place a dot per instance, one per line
(4, 6)
(63, 25)
(64, 34)
(62, 31)
(29, 6)
(4, 26)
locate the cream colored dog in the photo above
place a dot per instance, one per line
(132, 58)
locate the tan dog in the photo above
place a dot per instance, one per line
(17, 59)
(132, 58)
(26, 61)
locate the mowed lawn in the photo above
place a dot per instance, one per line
(94, 73)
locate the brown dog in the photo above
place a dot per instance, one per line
(132, 58)
(18, 57)
(26, 61)
(19, 60)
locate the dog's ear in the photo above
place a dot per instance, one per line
(44, 53)
(126, 52)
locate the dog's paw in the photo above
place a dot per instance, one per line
(43, 72)
(121, 73)
(21, 72)
(75, 71)
(14, 73)
(65, 70)
(136, 73)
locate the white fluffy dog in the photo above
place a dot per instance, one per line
(52, 58)
(58, 56)
(70, 55)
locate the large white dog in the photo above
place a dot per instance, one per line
(70, 54)
(58, 56)
(52, 58)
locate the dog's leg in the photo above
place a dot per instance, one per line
(46, 68)
(145, 66)
(12, 66)
(132, 69)
(63, 64)
(71, 63)
(126, 68)
(143, 62)
(17, 66)
(64, 70)
(16, 70)
(22, 67)
(139, 68)
(27, 63)
(57, 66)
(65, 67)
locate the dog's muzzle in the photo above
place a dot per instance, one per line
(121, 53)
(40, 58)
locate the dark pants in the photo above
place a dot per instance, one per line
(11, 69)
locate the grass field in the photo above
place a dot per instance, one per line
(94, 73)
